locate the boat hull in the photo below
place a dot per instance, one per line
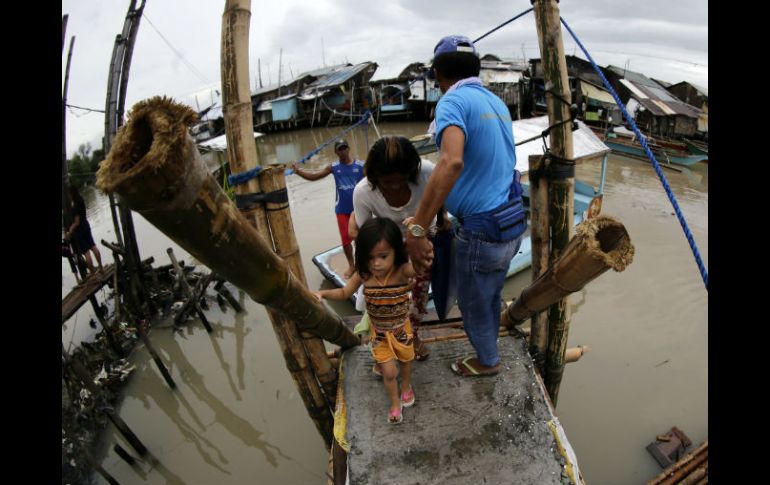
(662, 156)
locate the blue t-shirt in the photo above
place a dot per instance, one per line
(489, 155)
(345, 178)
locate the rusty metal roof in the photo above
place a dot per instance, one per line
(342, 75)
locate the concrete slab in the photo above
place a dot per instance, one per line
(460, 430)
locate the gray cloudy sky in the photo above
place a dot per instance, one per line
(663, 39)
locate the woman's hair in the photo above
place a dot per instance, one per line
(457, 65)
(389, 155)
(372, 232)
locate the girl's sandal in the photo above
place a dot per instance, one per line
(407, 398)
(395, 417)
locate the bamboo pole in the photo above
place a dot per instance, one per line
(562, 187)
(117, 84)
(155, 357)
(540, 237)
(683, 468)
(574, 354)
(285, 242)
(242, 156)
(599, 244)
(157, 169)
(65, 193)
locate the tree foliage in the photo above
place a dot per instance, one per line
(83, 165)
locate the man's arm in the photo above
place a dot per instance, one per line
(439, 185)
(312, 175)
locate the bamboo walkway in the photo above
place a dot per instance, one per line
(82, 292)
(498, 429)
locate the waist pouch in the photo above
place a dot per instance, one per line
(504, 223)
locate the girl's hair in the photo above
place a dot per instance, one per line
(392, 154)
(372, 232)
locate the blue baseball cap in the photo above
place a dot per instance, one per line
(449, 44)
(454, 43)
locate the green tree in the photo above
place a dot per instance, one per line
(80, 166)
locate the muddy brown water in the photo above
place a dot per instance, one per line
(236, 416)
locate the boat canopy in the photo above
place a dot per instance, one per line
(585, 144)
(220, 143)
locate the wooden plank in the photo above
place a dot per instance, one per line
(81, 293)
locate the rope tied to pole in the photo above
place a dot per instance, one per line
(655, 164)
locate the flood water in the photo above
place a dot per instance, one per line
(236, 417)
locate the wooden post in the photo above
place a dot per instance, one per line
(562, 184)
(83, 376)
(192, 301)
(540, 237)
(155, 357)
(224, 292)
(117, 84)
(285, 243)
(65, 193)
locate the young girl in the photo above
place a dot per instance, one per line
(384, 269)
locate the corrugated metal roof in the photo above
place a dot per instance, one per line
(307, 95)
(283, 98)
(632, 76)
(495, 76)
(634, 90)
(595, 93)
(701, 89)
(661, 103)
(340, 76)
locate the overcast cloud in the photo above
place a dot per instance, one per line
(664, 39)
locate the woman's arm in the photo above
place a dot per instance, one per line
(352, 226)
(312, 175)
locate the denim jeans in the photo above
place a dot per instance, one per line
(481, 268)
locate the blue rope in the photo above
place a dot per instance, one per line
(656, 166)
(504, 24)
(364, 119)
(243, 177)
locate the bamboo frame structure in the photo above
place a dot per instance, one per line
(279, 218)
(562, 189)
(242, 156)
(156, 168)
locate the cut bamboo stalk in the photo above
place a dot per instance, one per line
(156, 167)
(599, 244)
(574, 354)
(540, 237)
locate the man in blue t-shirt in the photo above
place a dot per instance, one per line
(475, 180)
(347, 173)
